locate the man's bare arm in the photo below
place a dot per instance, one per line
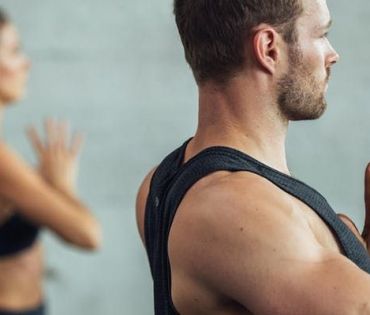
(242, 238)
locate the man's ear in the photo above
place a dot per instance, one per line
(266, 48)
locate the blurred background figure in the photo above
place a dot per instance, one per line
(31, 199)
(116, 69)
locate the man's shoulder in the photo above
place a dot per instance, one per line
(230, 226)
(232, 207)
(233, 193)
(141, 198)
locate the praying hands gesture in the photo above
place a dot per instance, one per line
(364, 237)
(57, 155)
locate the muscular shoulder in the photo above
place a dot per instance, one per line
(234, 205)
(235, 196)
(230, 225)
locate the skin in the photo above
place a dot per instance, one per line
(46, 196)
(238, 243)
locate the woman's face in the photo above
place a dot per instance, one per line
(14, 66)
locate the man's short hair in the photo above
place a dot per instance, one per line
(214, 32)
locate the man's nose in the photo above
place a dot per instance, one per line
(333, 57)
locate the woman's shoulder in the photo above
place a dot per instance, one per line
(6, 152)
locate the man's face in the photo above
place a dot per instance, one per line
(302, 89)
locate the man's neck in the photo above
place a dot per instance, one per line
(243, 116)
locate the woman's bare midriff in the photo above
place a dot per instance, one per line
(21, 279)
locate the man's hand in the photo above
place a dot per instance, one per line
(365, 233)
(364, 237)
(57, 155)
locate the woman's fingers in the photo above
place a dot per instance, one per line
(53, 136)
(65, 141)
(35, 140)
(62, 134)
(76, 144)
(57, 138)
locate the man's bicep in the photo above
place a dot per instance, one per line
(240, 238)
(273, 265)
(332, 285)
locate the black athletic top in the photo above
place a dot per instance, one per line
(16, 234)
(172, 180)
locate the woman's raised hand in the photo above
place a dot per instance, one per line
(57, 154)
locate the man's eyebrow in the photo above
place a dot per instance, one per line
(324, 27)
(327, 26)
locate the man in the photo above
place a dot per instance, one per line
(227, 229)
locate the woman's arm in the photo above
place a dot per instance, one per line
(5, 211)
(37, 199)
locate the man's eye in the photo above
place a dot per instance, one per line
(325, 35)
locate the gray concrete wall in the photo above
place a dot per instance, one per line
(116, 70)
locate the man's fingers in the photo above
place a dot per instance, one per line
(35, 139)
(352, 226)
(365, 232)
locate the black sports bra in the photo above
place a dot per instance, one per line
(16, 234)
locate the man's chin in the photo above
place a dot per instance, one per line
(311, 115)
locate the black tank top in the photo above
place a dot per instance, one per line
(172, 179)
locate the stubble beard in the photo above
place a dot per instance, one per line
(300, 95)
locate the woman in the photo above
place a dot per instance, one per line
(32, 199)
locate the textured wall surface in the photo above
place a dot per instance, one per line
(116, 70)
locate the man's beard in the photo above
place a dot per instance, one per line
(300, 94)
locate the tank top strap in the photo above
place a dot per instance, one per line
(227, 159)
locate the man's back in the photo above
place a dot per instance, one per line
(239, 242)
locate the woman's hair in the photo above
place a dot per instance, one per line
(4, 19)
